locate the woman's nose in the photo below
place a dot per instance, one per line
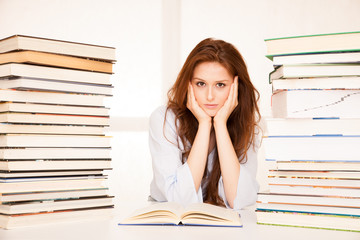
(210, 94)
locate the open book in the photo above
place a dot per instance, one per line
(197, 214)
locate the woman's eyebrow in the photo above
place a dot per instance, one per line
(197, 78)
(224, 80)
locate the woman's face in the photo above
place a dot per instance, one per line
(211, 83)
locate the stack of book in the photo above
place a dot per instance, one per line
(313, 136)
(53, 148)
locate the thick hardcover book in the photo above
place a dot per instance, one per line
(59, 173)
(34, 140)
(315, 174)
(313, 165)
(314, 70)
(57, 164)
(311, 209)
(316, 104)
(313, 181)
(306, 200)
(10, 221)
(316, 83)
(23, 83)
(310, 220)
(51, 98)
(43, 118)
(321, 147)
(47, 195)
(54, 205)
(22, 42)
(20, 107)
(335, 42)
(54, 153)
(312, 126)
(55, 60)
(171, 213)
(52, 73)
(315, 190)
(321, 58)
(39, 128)
(51, 185)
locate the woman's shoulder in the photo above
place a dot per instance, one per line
(159, 114)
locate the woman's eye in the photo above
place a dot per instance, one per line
(220, 85)
(200, 84)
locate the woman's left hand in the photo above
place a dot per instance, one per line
(232, 101)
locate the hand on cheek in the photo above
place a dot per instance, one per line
(230, 104)
(194, 107)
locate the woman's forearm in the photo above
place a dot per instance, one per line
(197, 158)
(229, 163)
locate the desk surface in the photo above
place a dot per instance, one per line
(108, 229)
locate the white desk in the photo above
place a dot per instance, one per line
(104, 230)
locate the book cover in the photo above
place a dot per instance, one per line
(318, 43)
(53, 73)
(54, 164)
(23, 42)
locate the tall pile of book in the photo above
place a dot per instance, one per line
(53, 148)
(313, 138)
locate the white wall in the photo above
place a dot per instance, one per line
(152, 39)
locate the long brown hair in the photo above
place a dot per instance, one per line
(242, 121)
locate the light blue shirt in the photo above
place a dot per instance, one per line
(172, 180)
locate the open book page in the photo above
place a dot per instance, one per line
(165, 212)
(201, 213)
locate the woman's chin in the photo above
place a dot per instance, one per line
(211, 113)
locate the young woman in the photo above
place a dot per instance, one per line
(204, 142)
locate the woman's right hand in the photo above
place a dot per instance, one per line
(195, 108)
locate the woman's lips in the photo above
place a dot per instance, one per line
(210, 106)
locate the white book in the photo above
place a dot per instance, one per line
(315, 174)
(39, 118)
(22, 42)
(54, 205)
(298, 181)
(51, 185)
(311, 126)
(316, 83)
(319, 43)
(272, 198)
(22, 174)
(42, 165)
(48, 178)
(52, 73)
(339, 57)
(315, 70)
(56, 60)
(53, 109)
(26, 140)
(315, 165)
(326, 148)
(315, 190)
(25, 220)
(47, 195)
(51, 98)
(54, 153)
(316, 103)
(325, 221)
(23, 83)
(51, 129)
(312, 209)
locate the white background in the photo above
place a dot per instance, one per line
(152, 39)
